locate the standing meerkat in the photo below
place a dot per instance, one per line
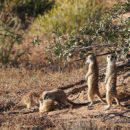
(110, 81)
(57, 95)
(92, 79)
(29, 100)
(46, 105)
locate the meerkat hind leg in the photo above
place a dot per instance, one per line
(107, 107)
(29, 105)
(90, 104)
(91, 98)
(109, 102)
(117, 101)
(62, 103)
(65, 102)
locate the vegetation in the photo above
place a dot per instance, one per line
(67, 16)
(27, 7)
(9, 39)
(75, 25)
(102, 30)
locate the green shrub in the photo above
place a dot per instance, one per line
(102, 30)
(9, 37)
(67, 15)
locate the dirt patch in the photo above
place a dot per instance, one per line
(80, 117)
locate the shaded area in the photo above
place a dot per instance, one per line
(72, 85)
(26, 10)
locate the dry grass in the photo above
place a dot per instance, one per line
(14, 82)
(16, 79)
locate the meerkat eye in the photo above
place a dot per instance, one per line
(46, 96)
(112, 57)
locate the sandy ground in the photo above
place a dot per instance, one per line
(79, 117)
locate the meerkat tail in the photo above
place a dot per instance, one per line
(16, 105)
(91, 96)
(70, 102)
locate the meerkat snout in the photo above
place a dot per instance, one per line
(90, 59)
(41, 100)
(111, 59)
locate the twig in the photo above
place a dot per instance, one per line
(102, 54)
(24, 112)
(88, 47)
(107, 116)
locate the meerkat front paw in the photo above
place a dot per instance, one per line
(90, 105)
(105, 82)
(106, 108)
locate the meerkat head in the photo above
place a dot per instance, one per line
(46, 95)
(43, 95)
(90, 59)
(111, 59)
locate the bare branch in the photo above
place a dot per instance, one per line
(89, 47)
(23, 112)
(113, 114)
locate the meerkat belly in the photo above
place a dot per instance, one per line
(111, 86)
(92, 80)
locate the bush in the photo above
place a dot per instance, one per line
(67, 16)
(102, 30)
(9, 37)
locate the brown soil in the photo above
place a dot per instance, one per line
(80, 117)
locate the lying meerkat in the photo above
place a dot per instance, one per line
(29, 100)
(110, 81)
(57, 95)
(46, 105)
(92, 79)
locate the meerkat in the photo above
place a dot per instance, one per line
(29, 100)
(57, 95)
(46, 105)
(92, 79)
(110, 81)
